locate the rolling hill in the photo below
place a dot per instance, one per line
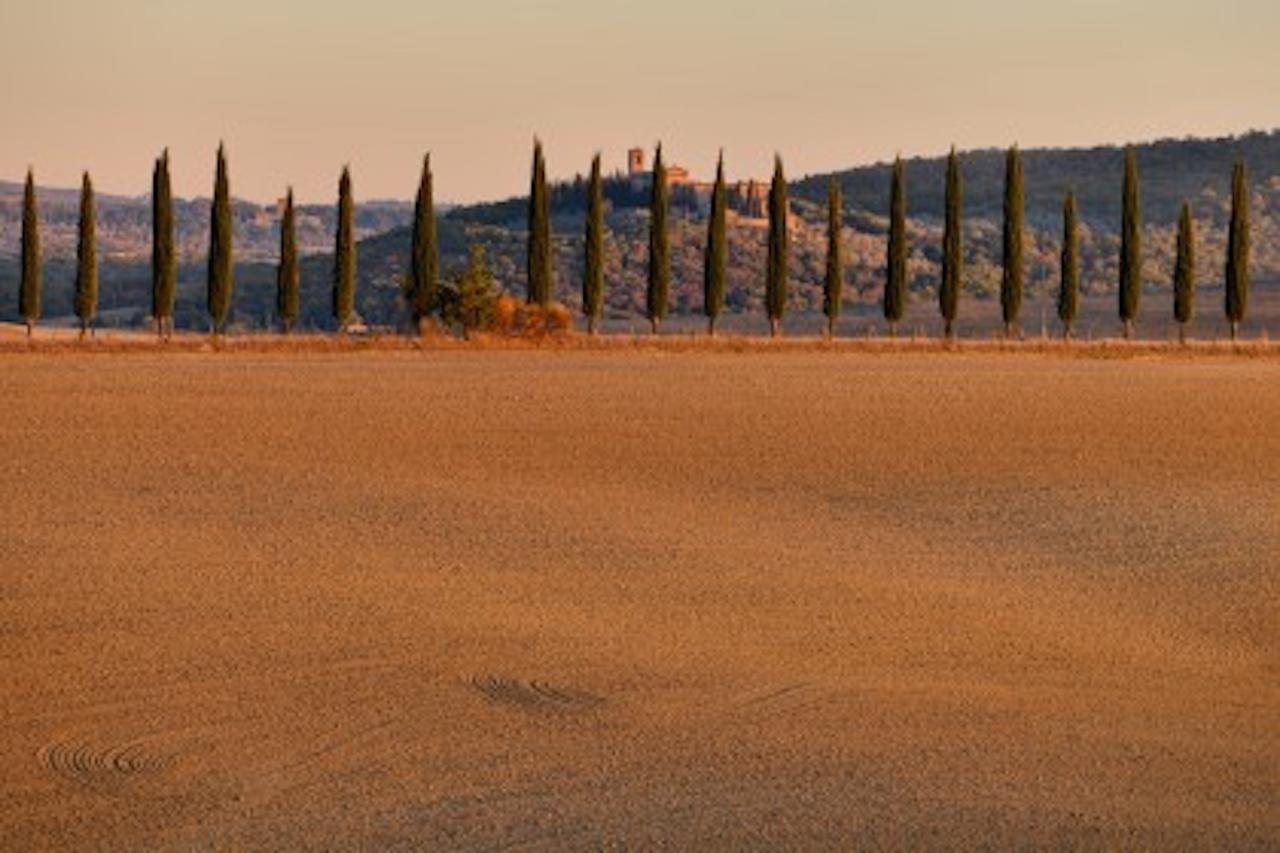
(1197, 170)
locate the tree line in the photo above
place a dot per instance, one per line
(423, 286)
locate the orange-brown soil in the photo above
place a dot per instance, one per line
(559, 598)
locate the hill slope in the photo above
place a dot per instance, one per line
(1197, 170)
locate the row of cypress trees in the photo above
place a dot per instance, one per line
(423, 282)
(896, 275)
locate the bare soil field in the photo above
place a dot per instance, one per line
(459, 599)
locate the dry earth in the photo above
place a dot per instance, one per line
(570, 599)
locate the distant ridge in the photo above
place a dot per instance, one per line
(1198, 170)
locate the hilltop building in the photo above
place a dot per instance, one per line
(749, 198)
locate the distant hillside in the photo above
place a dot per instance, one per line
(124, 224)
(1198, 170)
(1172, 170)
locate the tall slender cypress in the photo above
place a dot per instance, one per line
(895, 286)
(833, 283)
(164, 260)
(221, 279)
(424, 272)
(593, 250)
(1130, 244)
(1069, 288)
(29, 291)
(539, 256)
(1184, 273)
(659, 250)
(713, 262)
(344, 257)
(287, 274)
(1011, 278)
(1237, 273)
(86, 297)
(776, 280)
(952, 257)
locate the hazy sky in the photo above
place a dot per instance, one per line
(299, 87)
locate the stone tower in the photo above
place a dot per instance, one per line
(635, 162)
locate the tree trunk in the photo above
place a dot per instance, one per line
(775, 327)
(948, 330)
(1008, 331)
(893, 329)
(654, 323)
(1235, 329)
(831, 328)
(1128, 330)
(1066, 331)
(1182, 333)
(711, 327)
(31, 328)
(592, 325)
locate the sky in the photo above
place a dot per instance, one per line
(298, 88)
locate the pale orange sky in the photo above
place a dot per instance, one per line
(297, 88)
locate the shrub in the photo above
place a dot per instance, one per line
(470, 300)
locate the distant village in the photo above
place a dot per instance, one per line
(748, 199)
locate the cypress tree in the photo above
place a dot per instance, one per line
(1184, 273)
(164, 260)
(424, 273)
(1130, 244)
(1011, 279)
(895, 287)
(29, 291)
(1237, 277)
(593, 250)
(344, 258)
(952, 258)
(221, 269)
(287, 274)
(776, 281)
(659, 252)
(833, 284)
(86, 298)
(1069, 289)
(539, 258)
(713, 264)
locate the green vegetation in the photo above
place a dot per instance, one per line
(1184, 274)
(1130, 244)
(287, 274)
(1011, 280)
(895, 286)
(424, 270)
(709, 266)
(776, 275)
(1237, 273)
(539, 256)
(593, 251)
(1069, 288)
(86, 293)
(164, 260)
(715, 255)
(952, 246)
(833, 283)
(221, 279)
(344, 257)
(659, 249)
(470, 300)
(29, 291)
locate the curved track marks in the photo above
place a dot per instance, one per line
(98, 764)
